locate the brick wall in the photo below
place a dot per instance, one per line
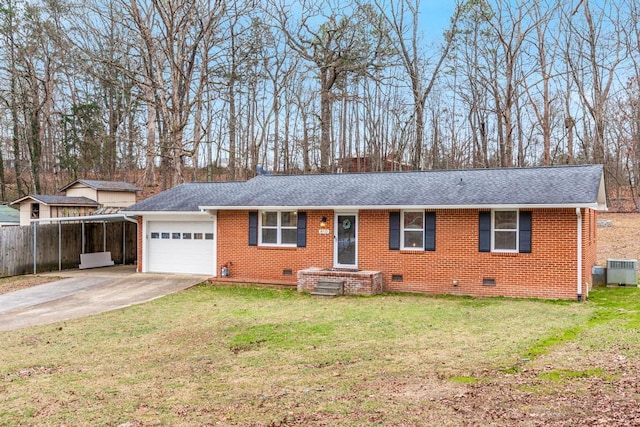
(548, 272)
(270, 263)
(455, 267)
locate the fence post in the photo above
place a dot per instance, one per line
(35, 247)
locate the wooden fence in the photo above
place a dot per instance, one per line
(16, 245)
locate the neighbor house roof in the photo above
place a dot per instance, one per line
(563, 186)
(58, 200)
(9, 215)
(104, 185)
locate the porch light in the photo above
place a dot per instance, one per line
(323, 222)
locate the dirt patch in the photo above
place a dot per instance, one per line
(618, 236)
(11, 284)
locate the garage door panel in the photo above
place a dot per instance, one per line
(181, 247)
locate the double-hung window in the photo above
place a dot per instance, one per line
(278, 228)
(505, 231)
(413, 230)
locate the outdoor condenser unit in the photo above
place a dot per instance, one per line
(622, 272)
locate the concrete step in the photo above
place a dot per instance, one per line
(328, 288)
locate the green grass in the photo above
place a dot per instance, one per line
(253, 356)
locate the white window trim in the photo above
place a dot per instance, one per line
(402, 230)
(279, 227)
(493, 231)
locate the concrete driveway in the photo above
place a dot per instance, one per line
(85, 292)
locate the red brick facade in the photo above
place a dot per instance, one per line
(455, 267)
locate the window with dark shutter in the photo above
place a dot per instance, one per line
(525, 232)
(430, 231)
(253, 228)
(484, 231)
(302, 230)
(394, 231)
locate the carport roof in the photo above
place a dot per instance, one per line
(560, 186)
(58, 200)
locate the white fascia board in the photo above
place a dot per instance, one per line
(85, 218)
(594, 205)
(164, 213)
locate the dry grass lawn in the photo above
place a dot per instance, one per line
(260, 357)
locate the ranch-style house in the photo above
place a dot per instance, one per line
(517, 232)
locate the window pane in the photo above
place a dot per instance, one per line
(175, 235)
(270, 219)
(506, 220)
(197, 236)
(289, 236)
(165, 235)
(413, 239)
(269, 235)
(413, 220)
(208, 236)
(505, 240)
(155, 235)
(289, 219)
(186, 236)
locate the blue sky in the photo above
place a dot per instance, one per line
(435, 17)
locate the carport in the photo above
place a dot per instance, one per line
(103, 219)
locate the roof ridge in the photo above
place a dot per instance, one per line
(496, 168)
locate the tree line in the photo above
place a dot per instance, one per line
(159, 92)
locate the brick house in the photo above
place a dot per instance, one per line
(528, 232)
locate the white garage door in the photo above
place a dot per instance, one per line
(181, 247)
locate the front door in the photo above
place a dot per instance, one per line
(346, 241)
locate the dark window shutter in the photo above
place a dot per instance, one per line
(253, 228)
(525, 232)
(394, 231)
(302, 230)
(484, 232)
(429, 231)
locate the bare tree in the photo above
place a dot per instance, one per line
(349, 39)
(172, 36)
(593, 60)
(403, 19)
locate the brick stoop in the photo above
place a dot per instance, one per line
(328, 288)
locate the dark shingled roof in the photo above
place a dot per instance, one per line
(545, 186)
(188, 197)
(104, 185)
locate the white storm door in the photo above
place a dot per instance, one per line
(345, 250)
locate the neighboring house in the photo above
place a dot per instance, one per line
(38, 206)
(367, 164)
(8, 216)
(113, 194)
(81, 198)
(528, 232)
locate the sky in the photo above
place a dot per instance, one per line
(435, 17)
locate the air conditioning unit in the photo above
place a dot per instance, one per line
(622, 272)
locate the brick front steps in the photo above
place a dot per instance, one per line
(354, 282)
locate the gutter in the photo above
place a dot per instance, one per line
(579, 243)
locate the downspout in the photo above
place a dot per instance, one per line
(579, 241)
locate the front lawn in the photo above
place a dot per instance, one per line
(263, 357)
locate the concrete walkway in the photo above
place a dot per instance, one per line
(85, 292)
